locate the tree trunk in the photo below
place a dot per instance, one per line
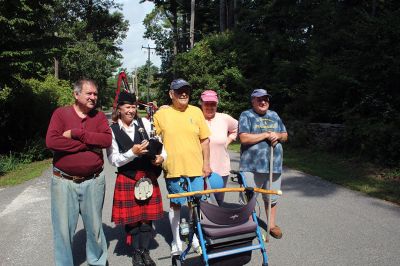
(229, 14)
(235, 18)
(192, 8)
(222, 15)
(56, 68)
(175, 26)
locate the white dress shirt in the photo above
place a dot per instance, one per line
(119, 159)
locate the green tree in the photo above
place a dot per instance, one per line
(147, 81)
(83, 35)
(210, 65)
(25, 110)
(27, 39)
(93, 37)
(86, 59)
(168, 25)
(323, 61)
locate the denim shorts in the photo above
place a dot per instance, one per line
(174, 185)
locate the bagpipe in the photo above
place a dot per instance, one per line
(155, 146)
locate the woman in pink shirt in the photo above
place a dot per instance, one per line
(223, 131)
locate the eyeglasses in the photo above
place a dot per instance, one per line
(262, 99)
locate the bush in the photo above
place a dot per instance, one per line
(8, 163)
(34, 151)
(25, 112)
(378, 141)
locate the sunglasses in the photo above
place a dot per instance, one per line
(182, 90)
(262, 99)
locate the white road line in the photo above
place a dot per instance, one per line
(28, 196)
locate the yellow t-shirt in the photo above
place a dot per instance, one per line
(181, 133)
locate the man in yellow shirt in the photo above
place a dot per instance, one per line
(185, 133)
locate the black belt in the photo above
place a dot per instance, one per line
(74, 178)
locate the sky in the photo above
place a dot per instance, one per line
(133, 54)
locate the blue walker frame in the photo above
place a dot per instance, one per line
(197, 226)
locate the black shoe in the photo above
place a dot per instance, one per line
(148, 261)
(137, 258)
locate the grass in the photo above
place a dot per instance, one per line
(24, 172)
(347, 171)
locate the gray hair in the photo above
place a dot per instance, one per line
(79, 84)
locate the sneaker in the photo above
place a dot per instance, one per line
(197, 248)
(196, 245)
(276, 232)
(148, 261)
(176, 249)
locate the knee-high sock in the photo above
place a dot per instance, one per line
(134, 232)
(145, 236)
(174, 216)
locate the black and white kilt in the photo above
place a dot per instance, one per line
(127, 209)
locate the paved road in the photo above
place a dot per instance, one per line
(323, 224)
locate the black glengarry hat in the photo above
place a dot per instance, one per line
(125, 97)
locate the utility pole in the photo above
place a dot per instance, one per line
(192, 8)
(135, 82)
(148, 69)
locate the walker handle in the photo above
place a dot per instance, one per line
(218, 190)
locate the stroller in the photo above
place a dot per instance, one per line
(225, 234)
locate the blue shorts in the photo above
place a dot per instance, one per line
(174, 186)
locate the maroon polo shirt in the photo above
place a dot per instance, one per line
(81, 155)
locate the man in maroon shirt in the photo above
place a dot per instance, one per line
(77, 134)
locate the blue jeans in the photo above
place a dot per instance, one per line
(68, 200)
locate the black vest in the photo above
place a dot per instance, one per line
(125, 143)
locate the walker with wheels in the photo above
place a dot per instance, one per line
(227, 236)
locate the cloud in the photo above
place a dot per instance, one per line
(132, 52)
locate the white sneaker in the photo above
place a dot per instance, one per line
(197, 248)
(196, 245)
(176, 249)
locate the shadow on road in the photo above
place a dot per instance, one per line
(309, 186)
(293, 180)
(118, 233)
(111, 233)
(162, 228)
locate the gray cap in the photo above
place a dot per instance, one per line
(260, 93)
(179, 83)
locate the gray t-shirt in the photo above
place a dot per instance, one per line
(255, 157)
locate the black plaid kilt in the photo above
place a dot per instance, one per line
(126, 209)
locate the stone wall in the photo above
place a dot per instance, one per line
(323, 135)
